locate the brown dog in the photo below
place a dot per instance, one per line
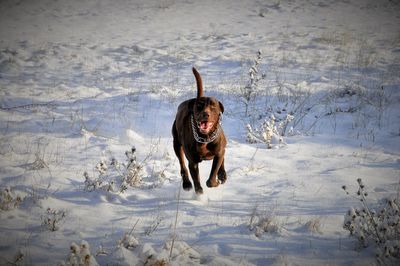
(198, 135)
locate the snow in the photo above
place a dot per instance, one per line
(84, 81)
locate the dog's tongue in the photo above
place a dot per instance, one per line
(205, 126)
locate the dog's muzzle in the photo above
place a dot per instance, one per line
(205, 126)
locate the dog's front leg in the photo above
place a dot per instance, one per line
(221, 173)
(184, 172)
(217, 162)
(194, 172)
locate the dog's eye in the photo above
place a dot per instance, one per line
(199, 107)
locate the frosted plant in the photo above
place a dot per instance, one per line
(133, 171)
(177, 253)
(313, 225)
(73, 257)
(101, 167)
(268, 130)
(80, 255)
(180, 251)
(154, 224)
(130, 155)
(8, 200)
(267, 133)
(254, 77)
(379, 226)
(128, 241)
(91, 185)
(116, 177)
(251, 135)
(283, 124)
(17, 259)
(266, 224)
(38, 164)
(52, 219)
(263, 223)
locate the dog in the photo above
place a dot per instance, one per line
(198, 135)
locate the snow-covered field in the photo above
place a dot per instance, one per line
(82, 82)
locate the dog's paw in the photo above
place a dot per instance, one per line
(199, 191)
(187, 185)
(212, 183)
(222, 177)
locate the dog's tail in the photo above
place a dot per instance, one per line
(199, 83)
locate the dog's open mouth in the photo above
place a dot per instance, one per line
(205, 127)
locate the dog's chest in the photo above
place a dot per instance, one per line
(204, 152)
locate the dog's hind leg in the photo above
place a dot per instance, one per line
(186, 184)
(216, 170)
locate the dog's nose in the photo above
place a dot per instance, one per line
(205, 115)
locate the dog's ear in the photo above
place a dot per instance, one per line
(221, 106)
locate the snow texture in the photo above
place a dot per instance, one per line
(82, 82)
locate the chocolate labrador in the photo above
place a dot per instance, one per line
(198, 135)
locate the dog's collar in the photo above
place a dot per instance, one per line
(210, 138)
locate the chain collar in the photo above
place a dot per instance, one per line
(209, 139)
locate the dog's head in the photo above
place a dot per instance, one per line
(207, 113)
